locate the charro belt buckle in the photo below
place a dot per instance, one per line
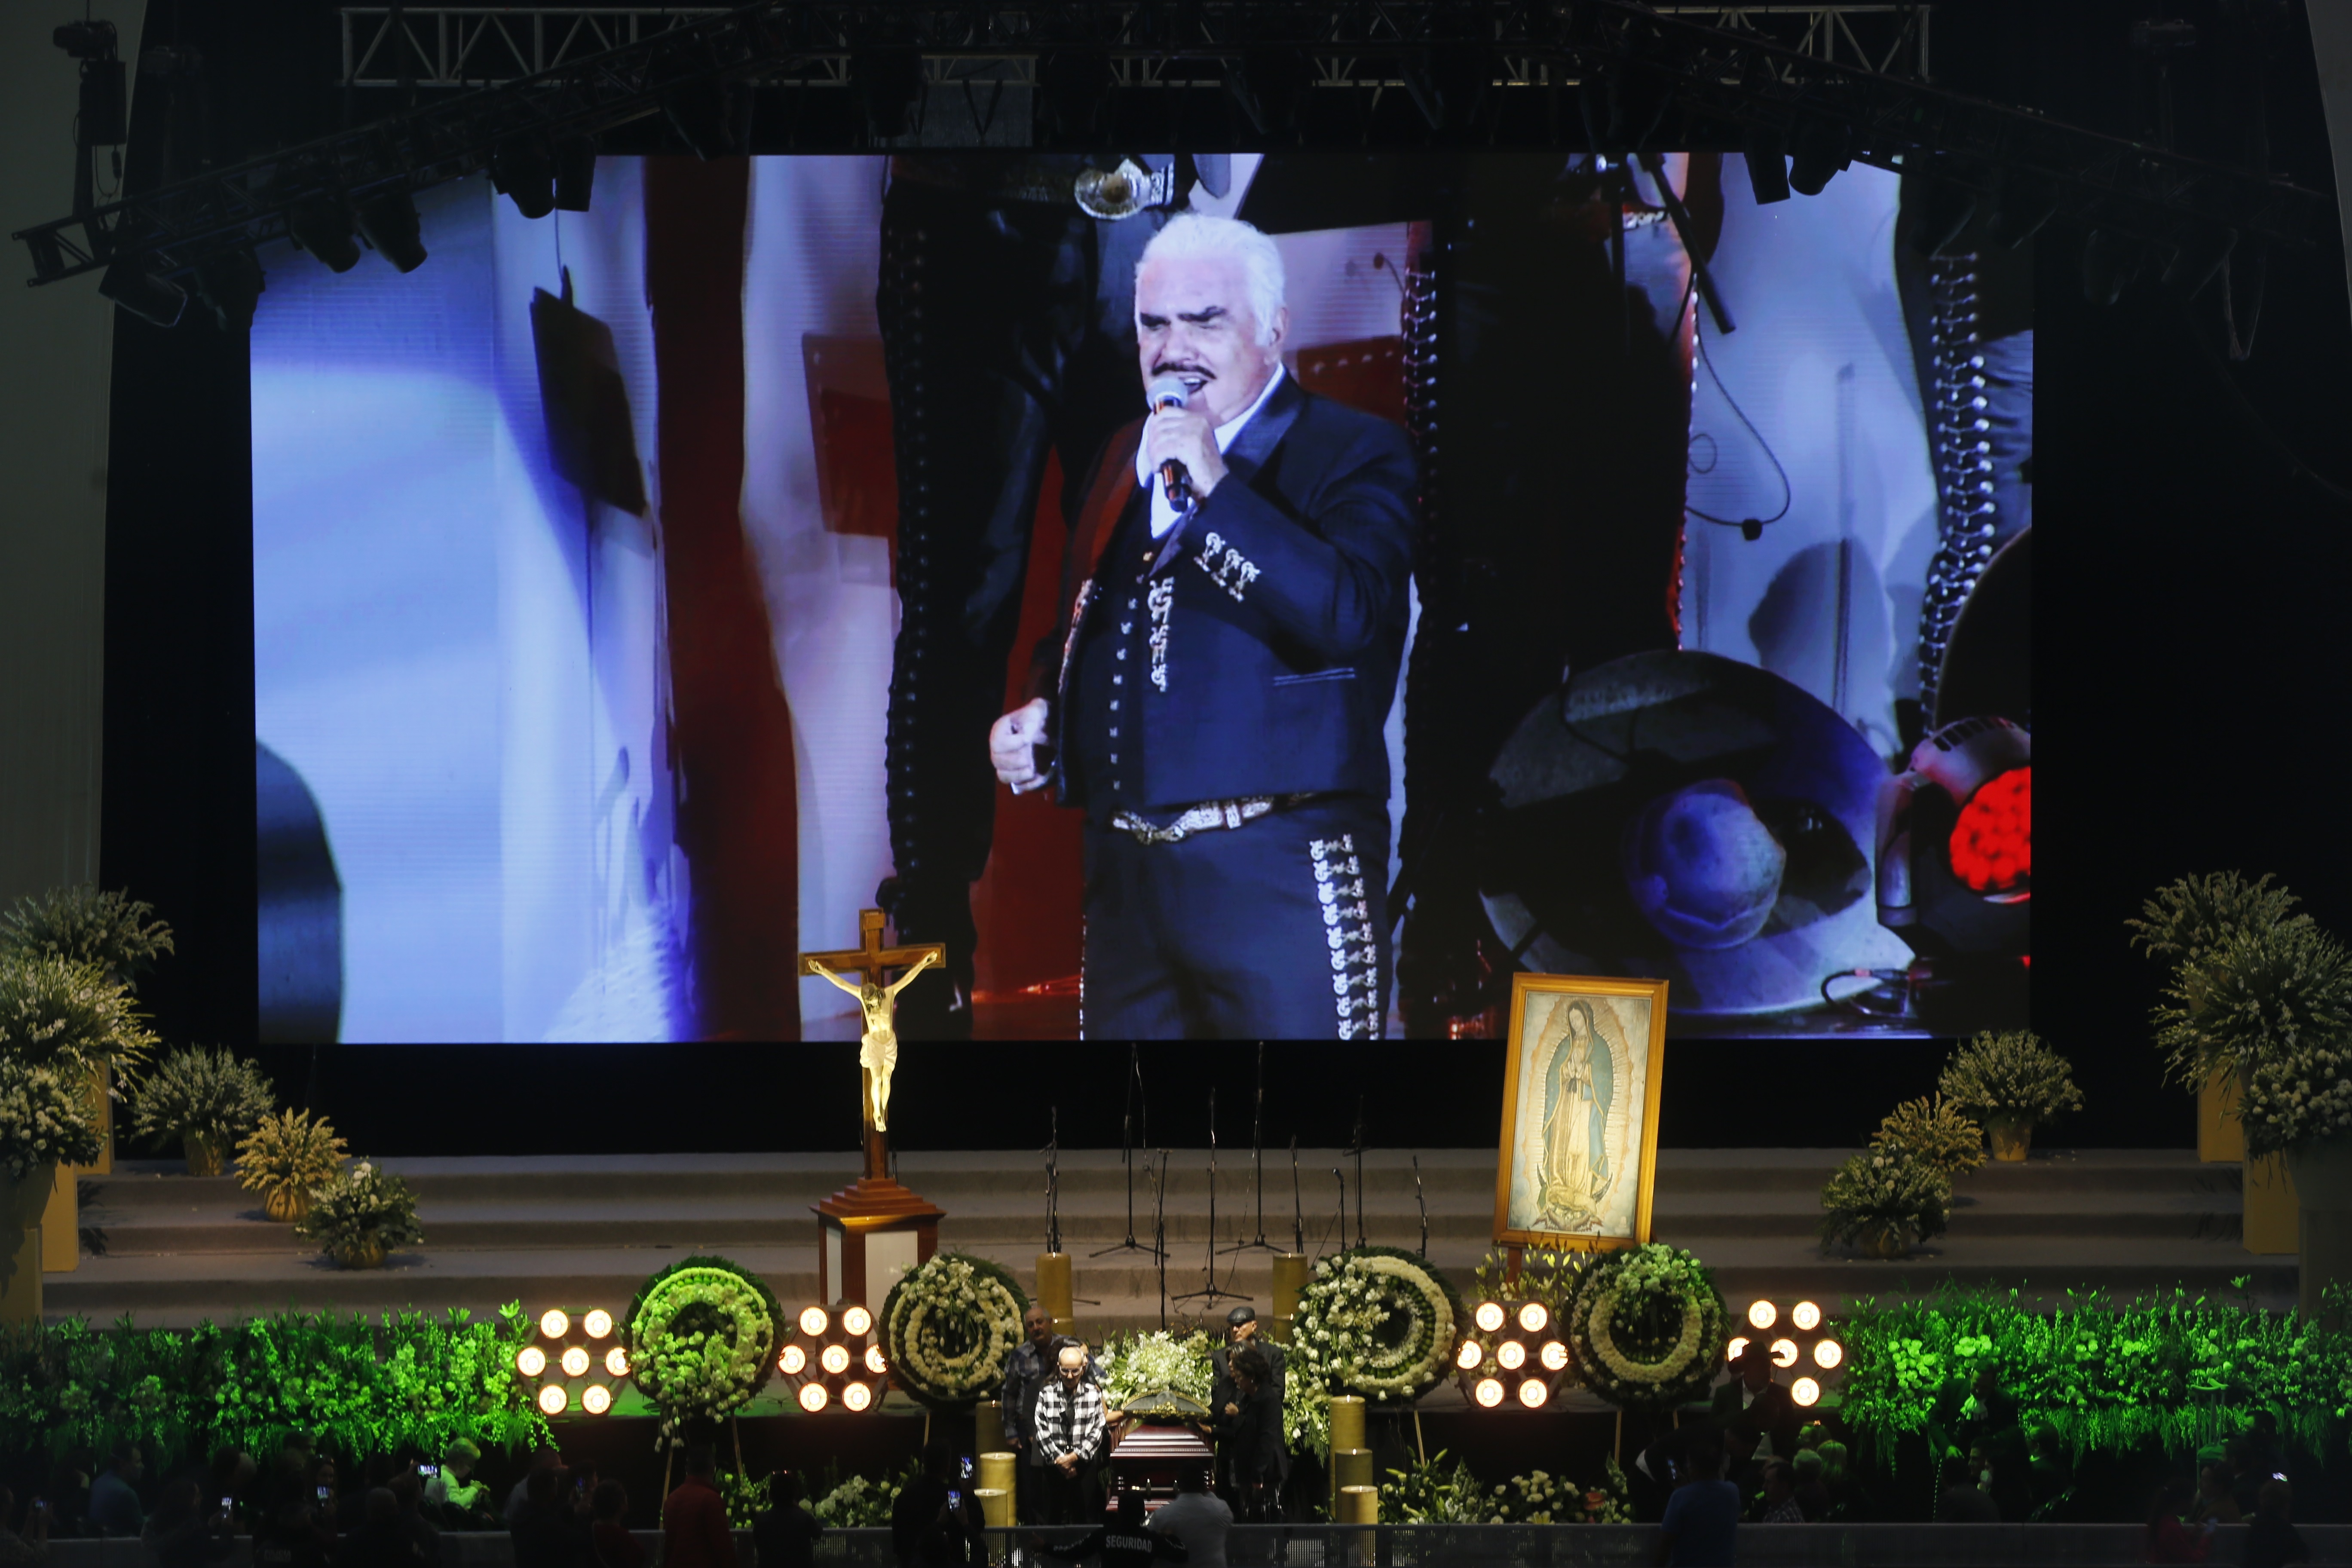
(1116, 193)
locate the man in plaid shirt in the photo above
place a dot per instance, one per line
(1071, 1425)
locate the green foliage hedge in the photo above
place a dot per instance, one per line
(2182, 1371)
(356, 1385)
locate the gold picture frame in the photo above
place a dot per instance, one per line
(1581, 1185)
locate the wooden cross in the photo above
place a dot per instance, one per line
(869, 960)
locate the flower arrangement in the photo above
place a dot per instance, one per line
(1135, 1365)
(1934, 1129)
(745, 1496)
(1432, 1491)
(362, 1213)
(1887, 1197)
(45, 1120)
(1542, 1497)
(1646, 1327)
(2008, 1074)
(859, 1503)
(947, 1325)
(1376, 1322)
(702, 1339)
(112, 932)
(286, 1158)
(208, 1100)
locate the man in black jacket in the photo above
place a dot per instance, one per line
(1215, 696)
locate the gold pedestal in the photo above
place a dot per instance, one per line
(1053, 1291)
(1290, 1276)
(20, 1275)
(996, 1506)
(2271, 1210)
(996, 1470)
(1347, 1421)
(987, 1428)
(2219, 1135)
(1350, 1467)
(61, 1226)
(1361, 1505)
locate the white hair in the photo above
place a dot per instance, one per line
(1190, 236)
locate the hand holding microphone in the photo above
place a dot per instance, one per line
(1180, 442)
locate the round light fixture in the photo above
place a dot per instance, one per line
(1784, 1352)
(814, 1397)
(576, 1362)
(1533, 1392)
(598, 1323)
(1806, 1316)
(1762, 1314)
(857, 1396)
(835, 1358)
(553, 1399)
(791, 1360)
(616, 1361)
(1489, 1316)
(1511, 1355)
(554, 1322)
(531, 1360)
(1804, 1391)
(1469, 1357)
(1489, 1392)
(596, 1399)
(815, 1320)
(857, 1321)
(1827, 1354)
(875, 1362)
(1554, 1356)
(1534, 1318)
(1733, 1346)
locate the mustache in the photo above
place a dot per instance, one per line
(1163, 367)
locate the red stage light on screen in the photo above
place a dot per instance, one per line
(1992, 844)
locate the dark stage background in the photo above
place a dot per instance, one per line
(2186, 627)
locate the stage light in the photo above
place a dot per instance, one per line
(1805, 1391)
(875, 1362)
(1816, 155)
(855, 1321)
(1488, 1317)
(1805, 1316)
(857, 1396)
(1469, 1357)
(1489, 1392)
(598, 1323)
(1762, 1314)
(1533, 1392)
(792, 1360)
(231, 283)
(596, 1399)
(576, 1362)
(555, 1324)
(1733, 1346)
(531, 1362)
(523, 170)
(1511, 1355)
(1784, 1352)
(2110, 264)
(553, 1399)
(1992, 843)
(1554, 1356)
(323, 227)
(575, 173)
(815, 1320)
(150, 296)
(703, 117)
(1533, 1319)
(814, 1397)
(1768, 165)
(835, 1360)
(389, 220)
(616, 1361)
(1828, 1354)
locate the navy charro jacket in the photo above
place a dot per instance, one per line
(1282, 605)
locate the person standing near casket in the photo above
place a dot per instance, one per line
(1225, 1397)
(1249, 1437)
(1215, 696)
(1026, 1371)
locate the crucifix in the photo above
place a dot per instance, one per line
(878, 1050)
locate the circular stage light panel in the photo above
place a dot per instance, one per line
(815, 1320)
(857, 1396)
(1805, 1391)
(1827, 1354)
(836, 1359)
(1784, 1352)
(555, 1323)
(875, 1362)
(857, 1321)
(1805, 1316)
(1533, 1392)
(1733, 1346)
(576, 1362)
(1534, 1318)
(598, 1323)
(596, 1399)
(1469, 1357)
(1511, 1355)
(531, 1361)
(1554, 1356)
(1489, 1392)
(616, 1361)
(791, 1360)
(553, 1399)
(1488, 1317)
(814, 1397)
(1762, 1315)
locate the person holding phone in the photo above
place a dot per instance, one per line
(30, 1548)
(188, 1529)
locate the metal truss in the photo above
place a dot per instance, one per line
(1729, 71)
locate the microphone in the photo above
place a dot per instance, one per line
(1170, 392)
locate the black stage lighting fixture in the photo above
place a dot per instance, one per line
(323, 227)
(2022, 204)
(1941, 210)
(389, 220)
(150, 296)
(2200, 255)
(231, 284)
(523, 171)
(575, 172)
(2110, 264)
(702, 117)
(1768, 165)
(889, 87)
(1818, 152)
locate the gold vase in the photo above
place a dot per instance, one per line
(285, 1205)
(21, 1203)
(204, 1155)
(366, 1253)
(2010, 1134)
(1888, 1241)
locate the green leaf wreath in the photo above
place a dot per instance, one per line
(1646, 1327)
(946, 1326)
(701, 1336)
(1377, 1321)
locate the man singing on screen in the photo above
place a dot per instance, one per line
(1214, 696)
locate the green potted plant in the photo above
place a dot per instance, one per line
(1886, 1201)
(286, 1158)
(207, 1099)
(2012, 1083)
(109, 932)
(1934, 1129)
(363, 1213)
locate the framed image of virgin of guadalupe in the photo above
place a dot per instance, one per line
(1580, 1112)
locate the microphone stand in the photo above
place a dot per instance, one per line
(1160, 1230)
(1126, 1154)
(1257, 1164)
(1358, 1150)
(1297, 1207)
(1209, 1293)
(1422, 1202)
(1341, 1177)
(1053, 1184)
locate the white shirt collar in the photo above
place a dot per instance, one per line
(1231, 429)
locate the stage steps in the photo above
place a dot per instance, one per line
(586, 1230)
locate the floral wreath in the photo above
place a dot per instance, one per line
(1376, 1322)
(947, 1327)
(1647, 1327)
(701, 1340)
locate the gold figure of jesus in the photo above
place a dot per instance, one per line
(878, 1048)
